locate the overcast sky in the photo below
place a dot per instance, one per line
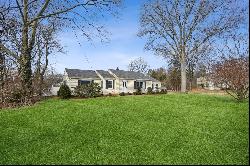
(123, 47)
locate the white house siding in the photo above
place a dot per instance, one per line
(130, 86)
(54, 90)
(107, 91)
(154, 85)
(98, 81)
(148, 84)
(118, 86)
(73, 82)
(103, 85)
(209, 85)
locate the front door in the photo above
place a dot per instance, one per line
(124, 86)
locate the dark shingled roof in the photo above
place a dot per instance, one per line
(105, 74)
(129, 74)
(76, 73)
(153, 79)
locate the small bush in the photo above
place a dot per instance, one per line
(149, 90)
(15, 96)
(122, 94)
(64, 92)
(80, 91)
(164, 91)
(88, 90)
(138, 91)
(157, 91)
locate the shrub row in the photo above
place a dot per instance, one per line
(149, 92)
(94, 90)
(82, 91)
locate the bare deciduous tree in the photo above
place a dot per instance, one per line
(138, 65)
(47, 45)
(232, 71)
(28, 15)
(180, 29)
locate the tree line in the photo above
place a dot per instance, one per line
(189, 34)
(29, 30)
(183, 31)
(206, 38)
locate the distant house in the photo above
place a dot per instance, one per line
(129, 81)
(111, 81)
(205, 83)
(75, 77)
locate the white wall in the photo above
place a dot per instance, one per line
(54, 90)
(73, 82)
(107, 91)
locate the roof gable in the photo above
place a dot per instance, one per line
(105, 74)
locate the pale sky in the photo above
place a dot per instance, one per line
(123, 47)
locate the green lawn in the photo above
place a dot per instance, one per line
(157, 129)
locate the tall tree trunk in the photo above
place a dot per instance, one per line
(2, 74)
(25, 65)
(183, 77)
(26, 73)
(25, 58)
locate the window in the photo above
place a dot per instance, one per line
(83, 82)
(124, 84)
(138, 84)
(109, 84)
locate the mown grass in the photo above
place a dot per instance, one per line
(157, 129)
